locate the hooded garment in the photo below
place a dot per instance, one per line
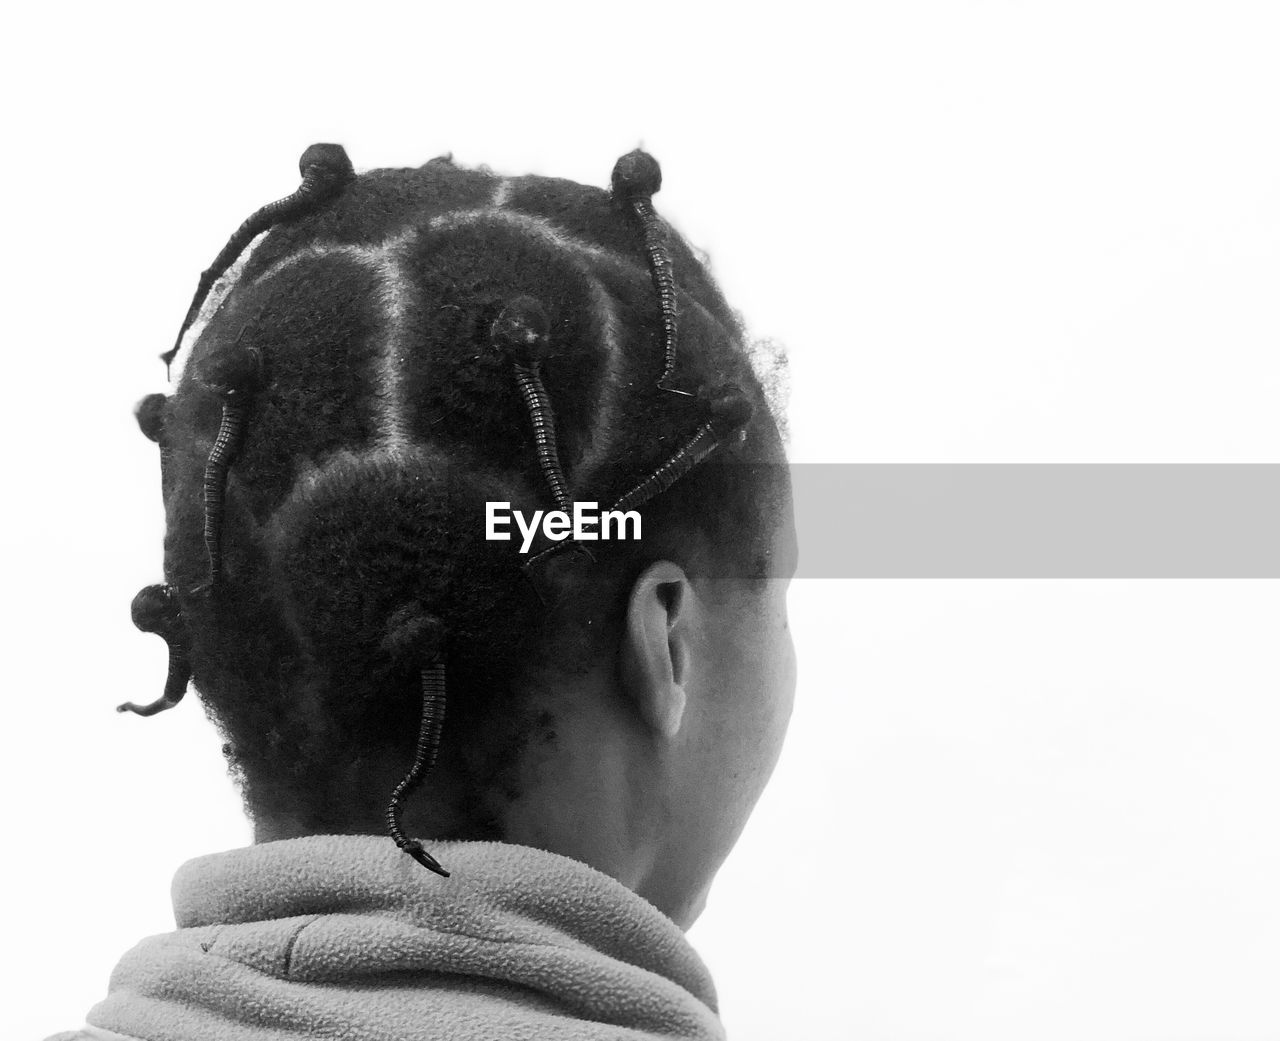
(346, 937)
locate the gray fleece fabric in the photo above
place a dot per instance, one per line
(344, 936)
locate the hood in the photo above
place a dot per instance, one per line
(345, 936)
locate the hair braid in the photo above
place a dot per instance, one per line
(521, 331)
(325, 169)
(155, 610)
(425, 635)
(636, 179)
(233, 375)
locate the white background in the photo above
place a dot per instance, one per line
(987, 232)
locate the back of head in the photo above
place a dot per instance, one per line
(356, 397)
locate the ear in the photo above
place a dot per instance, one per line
(654, 659)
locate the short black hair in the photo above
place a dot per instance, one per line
(374, 417)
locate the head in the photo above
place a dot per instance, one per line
(399, 349)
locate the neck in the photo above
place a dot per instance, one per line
(583, 790)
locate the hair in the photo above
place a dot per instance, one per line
(383, 354)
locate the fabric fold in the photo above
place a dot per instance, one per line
(345, 936)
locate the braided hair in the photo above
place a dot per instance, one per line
(388, 353)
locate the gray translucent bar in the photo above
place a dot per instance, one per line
(1038, 520)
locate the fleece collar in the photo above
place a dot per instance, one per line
(345, 936)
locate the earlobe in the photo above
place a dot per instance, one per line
(654, 659)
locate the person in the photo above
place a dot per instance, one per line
(491, 780)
